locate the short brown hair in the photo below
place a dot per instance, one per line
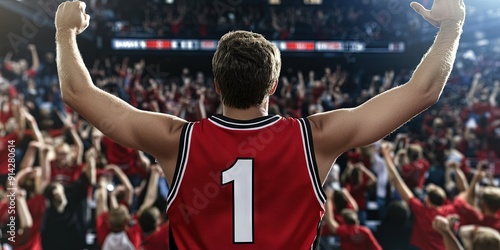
(118, 218)
(486, 239)
(491, 197)
(436, 195)
(245, 66)
(350, 216)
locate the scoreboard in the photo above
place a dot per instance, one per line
(284, 46)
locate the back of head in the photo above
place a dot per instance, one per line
(54, 192)
(486, 239)
(435, 195)
(118, 218)
(350, 216)
(415, 152)
(148, 220)
(491, 198)
(339, 200)
(398, 214)
(245, 66)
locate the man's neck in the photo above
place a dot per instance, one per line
(246, 114)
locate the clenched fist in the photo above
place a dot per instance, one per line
(71, 16)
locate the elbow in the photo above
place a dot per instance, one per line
(68, 97)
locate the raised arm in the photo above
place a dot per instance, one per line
(152, 189)
(494, 94)
(394, 176)
(128, 188)
(157, 134)
(78, 144)
(336, 131)
(34, 56)
(329, 218)
(442, 226)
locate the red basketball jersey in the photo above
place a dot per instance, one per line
(246, 185)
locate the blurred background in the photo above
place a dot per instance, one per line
(156, 55)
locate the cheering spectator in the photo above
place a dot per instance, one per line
(423, 236)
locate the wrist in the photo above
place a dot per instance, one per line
(451, 25)
(64, 34)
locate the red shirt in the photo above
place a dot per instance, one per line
(123, 157)
(31, 239)
(246, 185)
(468, 214)
(423, 166)
(492, 222)
(103, 229)
(65, 175)
(337, 216)
(157, 240)
(423, 235)
(358, 192)
(356, 237)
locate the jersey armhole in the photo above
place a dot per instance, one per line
(311, 161)
(182, 157)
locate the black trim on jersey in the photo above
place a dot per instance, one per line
(171, 240)
(234, 214)
(181, 160)
(311, 158)
(315, 245)
(243, 124)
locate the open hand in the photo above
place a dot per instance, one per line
(71, 16)
(442, 10)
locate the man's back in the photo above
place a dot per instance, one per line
(256, 179)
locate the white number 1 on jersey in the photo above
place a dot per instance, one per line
(241, 175)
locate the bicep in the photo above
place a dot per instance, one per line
(339, 130)
(131, 127)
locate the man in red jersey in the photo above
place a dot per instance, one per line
(231, 184)
(423, 236)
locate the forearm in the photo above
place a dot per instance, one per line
(73, 76)
(78, 145)
(36, 60)
(433, 71)
(451, 242)
(152, 189)
(101, 201)
(471, 191)
(461, 180)
(329, 219)
(25, 219)
(372, 178)
(396, 179)
(29, 157)
(350, 199)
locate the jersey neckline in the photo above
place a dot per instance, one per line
(259, 122)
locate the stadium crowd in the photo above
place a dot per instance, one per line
(432, 180)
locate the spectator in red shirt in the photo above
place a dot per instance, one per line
(423, 236)
(30, 209)
(352, 235)
(155, 235)
(357, 180)
(67, 165)
(489, 203)
(155, 232)
(115, 229)
(473, 237)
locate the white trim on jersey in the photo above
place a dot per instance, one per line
(311, 164)
(181, 165)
